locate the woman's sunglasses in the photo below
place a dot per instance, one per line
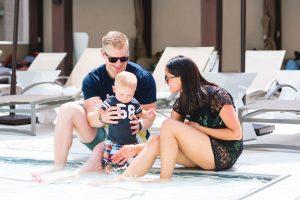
(115, 59)
(167, 78)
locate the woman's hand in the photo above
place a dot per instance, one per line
(193, 124)
(124, 154)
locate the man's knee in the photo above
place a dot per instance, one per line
(154, 143)
(68, 107)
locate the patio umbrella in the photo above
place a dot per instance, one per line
(12, 118)
(139, 46)
(269, 23)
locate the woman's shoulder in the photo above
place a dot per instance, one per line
(217, 90)
(219, 97)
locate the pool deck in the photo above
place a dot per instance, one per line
(257, 161)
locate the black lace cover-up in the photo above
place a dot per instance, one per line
(225, 152)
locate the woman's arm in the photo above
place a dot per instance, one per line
(233, 130)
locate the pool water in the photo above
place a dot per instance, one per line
(15, 183)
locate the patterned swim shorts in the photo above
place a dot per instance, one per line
(110, 148)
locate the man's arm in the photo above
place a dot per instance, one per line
(146, 123)
(92, 108)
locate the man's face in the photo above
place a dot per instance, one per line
(115, 60)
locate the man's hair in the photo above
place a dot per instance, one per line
(126, 79)
(115, 39)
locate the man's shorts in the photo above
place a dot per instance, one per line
(100, 137)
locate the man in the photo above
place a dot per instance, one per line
(97, 85)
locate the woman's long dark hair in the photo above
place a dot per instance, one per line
(194, 94)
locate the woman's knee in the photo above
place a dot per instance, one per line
(168, 126)
(153, 144)
(168, 123)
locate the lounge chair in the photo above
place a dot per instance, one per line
(281, 110)
(90, 59)
(264, 63)
(200, 55)
(41, 69)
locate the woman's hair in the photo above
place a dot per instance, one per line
(114, 39)
(194, 94)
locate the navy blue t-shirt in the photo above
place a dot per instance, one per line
(98, 83)
(121, 132)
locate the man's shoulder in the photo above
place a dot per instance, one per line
(95, 74)
(136, 69)
(99, 70)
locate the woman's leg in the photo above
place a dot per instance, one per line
(194, 144)
(145, 159)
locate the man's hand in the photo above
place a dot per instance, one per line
(111, 115)
(124, 154)
(150, 114)
(135, 124)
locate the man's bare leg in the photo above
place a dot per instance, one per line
(94, 163)
(70, 116)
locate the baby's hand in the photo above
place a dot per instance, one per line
(150, 114)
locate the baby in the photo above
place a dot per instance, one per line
(121, 133)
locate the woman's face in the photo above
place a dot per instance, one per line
(173, 82)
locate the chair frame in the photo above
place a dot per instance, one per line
(249, 113)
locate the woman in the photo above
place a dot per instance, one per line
(203, 130)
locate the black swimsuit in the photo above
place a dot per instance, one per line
(226, 152)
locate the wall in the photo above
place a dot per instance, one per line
(175, 23)
(97, 17)
(254, 28)
(231, 36)
(47, 12)
(290, 26)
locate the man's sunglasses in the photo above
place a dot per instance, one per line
(115, 59)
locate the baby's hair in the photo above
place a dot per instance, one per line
(115, 39)
(126, 79)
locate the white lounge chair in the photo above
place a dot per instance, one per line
(43, 68)
(90, 59)
(264, 63)
(284, 109)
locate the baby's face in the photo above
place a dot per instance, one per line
(124, 94)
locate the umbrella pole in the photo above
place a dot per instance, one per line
(14, 50)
